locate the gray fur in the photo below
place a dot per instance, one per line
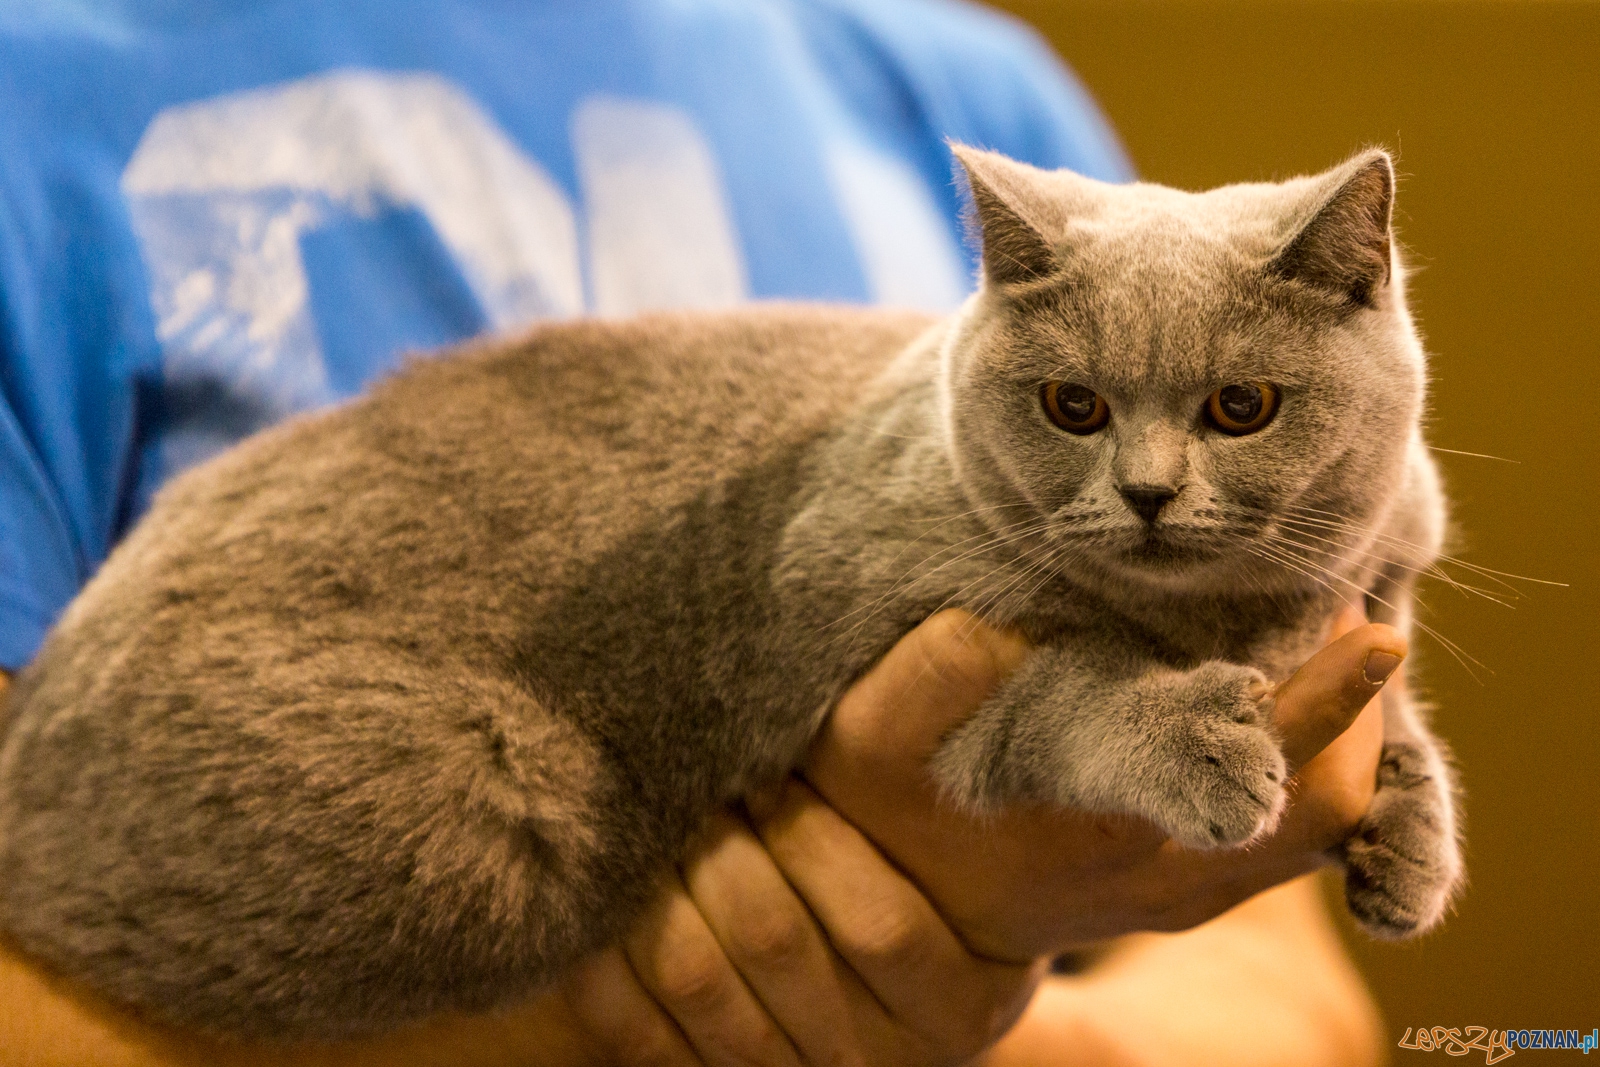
(400, 707)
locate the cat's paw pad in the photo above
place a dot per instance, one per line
(1402, 865)
(1217, 776)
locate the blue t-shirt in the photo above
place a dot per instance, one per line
(215, 213)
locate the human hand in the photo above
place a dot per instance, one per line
(798, 942)
(1035, 879)
(794, 943)
(786, 938)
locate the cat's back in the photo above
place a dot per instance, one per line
(491, 473)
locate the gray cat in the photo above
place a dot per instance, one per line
(401, 707)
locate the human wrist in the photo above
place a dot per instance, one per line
(1066, 1023)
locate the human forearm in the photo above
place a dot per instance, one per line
(1266, 983)
(47, 1023)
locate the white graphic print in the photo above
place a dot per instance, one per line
(660, 231)
(222, 191)
(907, 253)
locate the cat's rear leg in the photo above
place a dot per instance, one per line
(313, 846)
(1403, 863)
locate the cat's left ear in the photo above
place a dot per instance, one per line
(1345, 246)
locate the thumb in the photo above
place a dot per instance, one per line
(1322, 698)
(933, 679)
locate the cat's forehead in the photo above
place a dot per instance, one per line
(1130, 341)
(1162, 289)
(1123, 228)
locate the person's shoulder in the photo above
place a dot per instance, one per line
(952, 27)
(991, 78)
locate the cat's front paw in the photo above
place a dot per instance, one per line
(1215, 773)
(1403, 864)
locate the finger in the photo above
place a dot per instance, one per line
(776, 945)
(1331, 793)
(1000, 881)
(620, 1019)
(681, 965)
(888, 932)
(1324, 697)
(934, 678)
(871, 759)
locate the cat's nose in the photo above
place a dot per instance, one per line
(1147, 500)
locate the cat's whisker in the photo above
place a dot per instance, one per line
(1050, 556)
(1048, 567)
(942, 523)
(1008, 535)
(907, 581)
(1299, 547)
(1490, 572)
(1044, 565)
(1051, 571)
(1357, 534)
(990, 539)
(1334, 521)
(981, 613)
(1463, 588)
(1498, 577)
(1309, 569)
(1475, 455)
(1261, 587)
(983, 603)
(1375, 573)
(1432, 568)
(975, 511)
(968, 628)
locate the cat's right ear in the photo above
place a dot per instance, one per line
(1344, 245)
(998, 218)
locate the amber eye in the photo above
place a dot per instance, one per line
(1074, 408)
(1243, 408)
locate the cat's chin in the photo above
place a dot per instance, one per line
(1162, 550)
(1166, 559)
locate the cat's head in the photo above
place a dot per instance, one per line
(1161, 383)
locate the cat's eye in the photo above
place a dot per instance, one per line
(1242, 408)
(1074, 408)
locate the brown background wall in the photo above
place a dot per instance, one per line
(1494, 110)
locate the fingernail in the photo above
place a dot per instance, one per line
(1379, 666)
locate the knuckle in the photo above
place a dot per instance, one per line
(972, 1022)
(1174, 914)
(956, 646)
(629, 1031)
(774, 941)
(888, 938)
(692, 979)
(1344, 814)
(1336, 810)
(1174, 920)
